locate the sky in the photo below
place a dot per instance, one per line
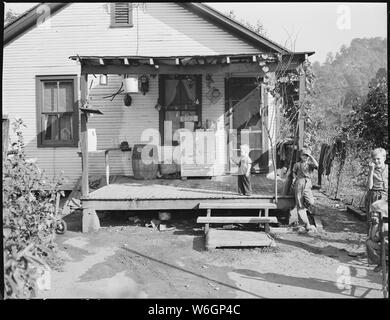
(320, 27)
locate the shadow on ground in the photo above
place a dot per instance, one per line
(305, 283)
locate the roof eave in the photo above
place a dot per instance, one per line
(27, 20)
(234, 26)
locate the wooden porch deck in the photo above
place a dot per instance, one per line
(126, 193)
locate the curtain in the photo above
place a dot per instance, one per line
(51, 127)
(170, 91)
(191, 91)
(65, 123)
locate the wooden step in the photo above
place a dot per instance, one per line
(235, 205)
(237, 220)
(233, 238)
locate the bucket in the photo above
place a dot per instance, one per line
(145, 167)
(131, 84)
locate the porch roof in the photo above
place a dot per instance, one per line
(111, 64)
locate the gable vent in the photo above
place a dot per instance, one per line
(121, 14)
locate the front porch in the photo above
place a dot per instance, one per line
(127, 193)
(250, 113)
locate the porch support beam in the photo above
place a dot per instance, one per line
(90, 221)
(150, 69)
(301, 122)
(188, 69)
(173, 204)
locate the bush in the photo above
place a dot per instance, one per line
(29, 219)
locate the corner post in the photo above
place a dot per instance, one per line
(84, 136)
(301, 122)
(90, 220)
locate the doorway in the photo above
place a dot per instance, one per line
(181, 105)
(243, 99)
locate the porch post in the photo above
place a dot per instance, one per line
(299, 132)
(84, 137)
(301, 123)
(90, 220)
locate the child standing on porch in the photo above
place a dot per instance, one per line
(244, 171)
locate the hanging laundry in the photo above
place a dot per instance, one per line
(321, 162)
(284, 150)
(332, 153)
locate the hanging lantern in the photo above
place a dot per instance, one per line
(131, 84)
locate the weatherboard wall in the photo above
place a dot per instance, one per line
(160, 29)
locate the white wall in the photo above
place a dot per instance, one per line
(83, 28)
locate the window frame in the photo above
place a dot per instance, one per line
(41, 142)
(114, 24)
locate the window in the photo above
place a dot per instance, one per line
(121, 14)
(181, 99)
(57, 111)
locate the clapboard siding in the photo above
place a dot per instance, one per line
(162, 29)
(120, 123)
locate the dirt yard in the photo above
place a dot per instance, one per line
(125, 260)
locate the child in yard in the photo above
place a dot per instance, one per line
(373, 243)
(377, 180)
(244, 171)
(302, 172)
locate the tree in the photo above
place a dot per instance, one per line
(369, 120)
(29, 219)
(10, 17)
(257, 28)
(343, 81)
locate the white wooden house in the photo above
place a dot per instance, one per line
(49, 49)
(185, 68)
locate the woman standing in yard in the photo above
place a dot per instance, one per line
(302, 172)
(377, 180)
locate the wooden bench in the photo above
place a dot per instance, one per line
(107, 158)
(227, 240)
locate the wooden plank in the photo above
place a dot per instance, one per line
(280, 230)
(235, 205)
(236, 219)
(160, 204)
(236, 238)
(206, 227)
(266, 226)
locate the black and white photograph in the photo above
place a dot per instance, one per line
(191, 151)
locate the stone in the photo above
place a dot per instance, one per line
(90, 221)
